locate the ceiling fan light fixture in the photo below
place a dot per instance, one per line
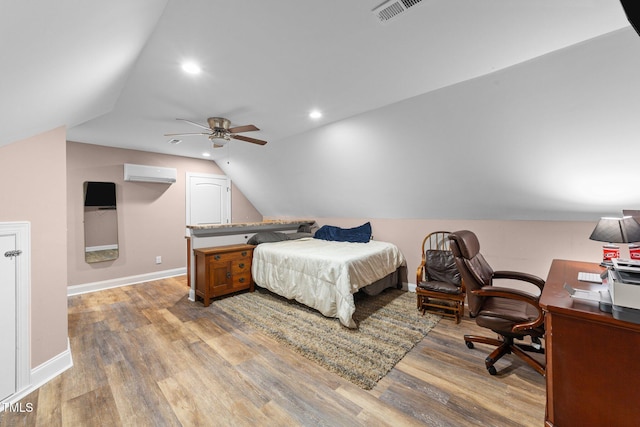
(219, 133)
(219, 129)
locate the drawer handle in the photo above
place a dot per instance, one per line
(216, 257)
(241, 280)
(244, 253)
(228, 275)
(241, 265)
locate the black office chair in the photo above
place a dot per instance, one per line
(511, 313)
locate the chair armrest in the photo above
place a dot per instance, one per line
(420, 271)
(515, 294)
(516, 275)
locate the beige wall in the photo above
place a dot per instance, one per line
(151, 217)
(33, 177)
(527, 246)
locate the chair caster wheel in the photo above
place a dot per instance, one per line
(469, 344)
(492, 370)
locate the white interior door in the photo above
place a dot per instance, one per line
(208, 199)
(7, 316)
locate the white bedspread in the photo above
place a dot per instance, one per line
(323, 274)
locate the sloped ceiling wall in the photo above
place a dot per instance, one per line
(66, 62)
(556, 137)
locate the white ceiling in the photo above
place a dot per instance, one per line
(110, 71)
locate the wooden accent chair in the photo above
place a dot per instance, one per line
(439, 289)
(510, 313)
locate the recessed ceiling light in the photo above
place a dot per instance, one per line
(315, 114)
(191, 68)
(206, 154)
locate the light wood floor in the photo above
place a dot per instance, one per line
(140, 361)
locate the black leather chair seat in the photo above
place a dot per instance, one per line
(442, 287)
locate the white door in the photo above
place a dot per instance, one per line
(208, 199)
(7, 316)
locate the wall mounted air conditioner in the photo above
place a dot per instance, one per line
(142, 173)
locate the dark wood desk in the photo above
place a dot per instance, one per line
(593, 360)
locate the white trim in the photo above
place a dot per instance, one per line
(124, 281)
(101, 248)
(42, 374)
(22, 231)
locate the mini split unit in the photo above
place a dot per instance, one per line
(142, 173)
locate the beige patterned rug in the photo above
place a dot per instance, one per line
(389, 325)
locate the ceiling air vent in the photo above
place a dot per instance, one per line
(392, 8)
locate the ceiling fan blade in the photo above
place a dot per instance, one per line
(247, 139)
(196, 124)
(245, 128)
(187, 134)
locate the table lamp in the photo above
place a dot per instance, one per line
(615, 230)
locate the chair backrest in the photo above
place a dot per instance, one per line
(474, 269)
(438, 240)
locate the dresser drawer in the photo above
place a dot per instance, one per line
(231, 256)
(242, 279)
(240, 266)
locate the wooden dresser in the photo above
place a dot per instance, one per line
(593, 359)
(222, 270)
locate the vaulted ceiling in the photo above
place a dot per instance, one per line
(452, 80)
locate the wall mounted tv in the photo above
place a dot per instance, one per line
(100, 194)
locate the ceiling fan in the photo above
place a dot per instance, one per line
(219, 130)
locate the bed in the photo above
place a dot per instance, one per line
(325, 274)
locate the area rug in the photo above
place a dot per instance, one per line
(389, 325)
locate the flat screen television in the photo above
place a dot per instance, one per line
(100, 194)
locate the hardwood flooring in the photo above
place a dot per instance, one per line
(141, 360)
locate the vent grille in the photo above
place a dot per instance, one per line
(393, 8)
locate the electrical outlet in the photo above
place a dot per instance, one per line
(158, 259)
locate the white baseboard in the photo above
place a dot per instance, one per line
(411, 287)
(42, 374)
(124, 281)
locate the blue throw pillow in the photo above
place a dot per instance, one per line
(360, 234)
